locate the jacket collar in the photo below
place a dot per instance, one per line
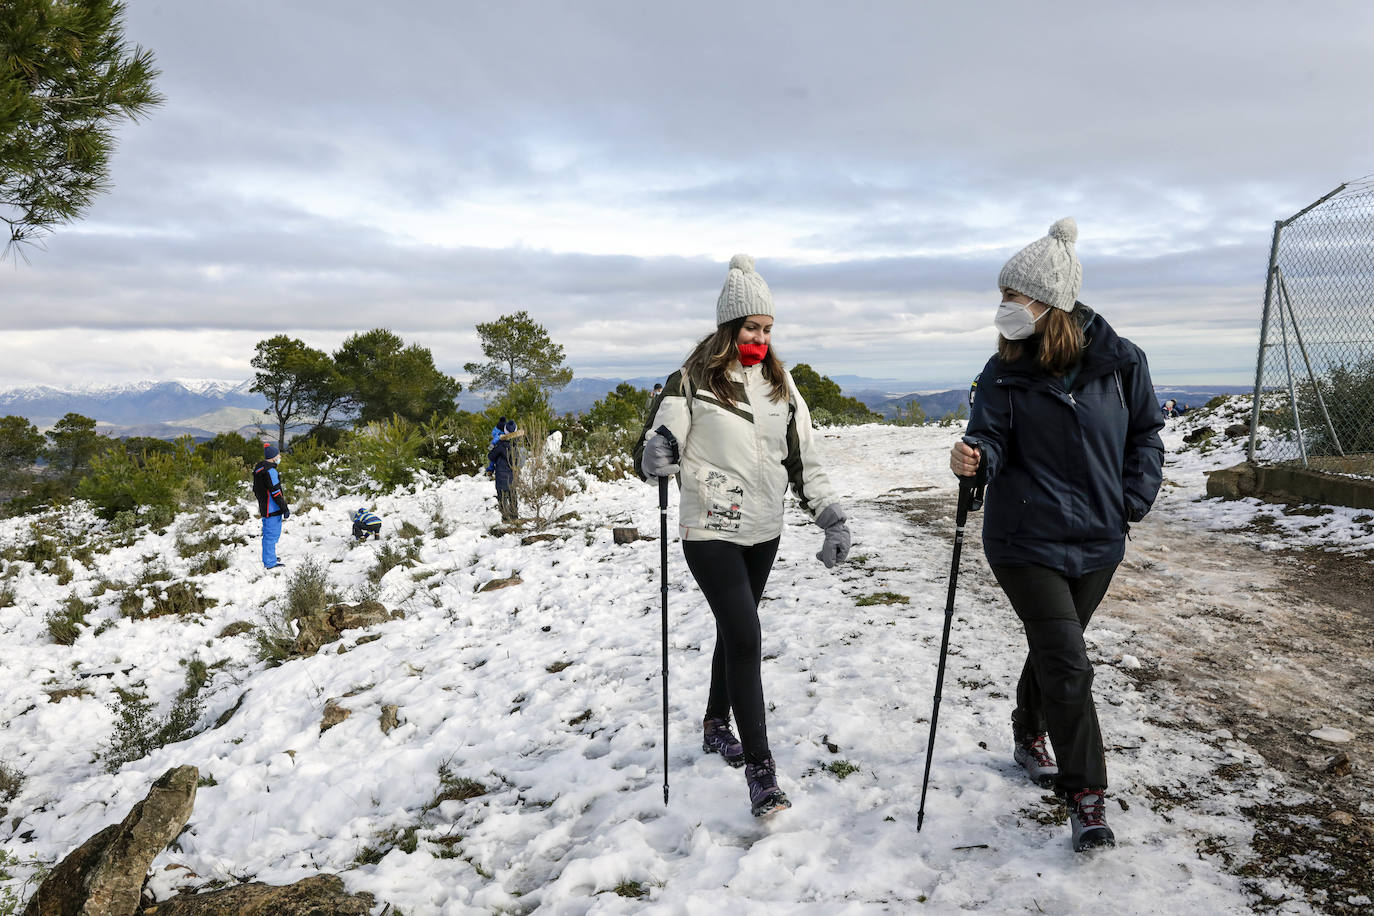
(1104, 351)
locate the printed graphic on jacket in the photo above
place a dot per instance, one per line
(723, 499)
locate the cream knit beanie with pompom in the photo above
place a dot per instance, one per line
(744, 292)
(1047, 269)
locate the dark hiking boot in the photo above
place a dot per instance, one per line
(1034, 757)
(1088, 818)
(716, 738)
(764, 795)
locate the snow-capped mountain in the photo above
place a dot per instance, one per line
(132, 403)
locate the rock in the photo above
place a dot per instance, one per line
(625, 535)
(1238, 431)
(1202, 433)
(567, 517)
(229, 713)
(494, 584)
(1235, 482)
(390, 718)
(1344, 818)
(238, 627)
(1332, 735)
(320, 895)
(1338, 765)
(354, 616)
(320, 629)
(333, 715)
(104, 876)
(529, 539)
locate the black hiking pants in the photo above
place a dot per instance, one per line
(1055, 693)
(732, 577)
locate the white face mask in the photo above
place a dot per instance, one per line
(1014, 321)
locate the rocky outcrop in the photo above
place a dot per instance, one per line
(104, 876)
(328, 625)
(315, 896)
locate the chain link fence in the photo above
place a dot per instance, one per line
(1314, 379)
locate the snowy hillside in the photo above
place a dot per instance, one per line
(541, 701)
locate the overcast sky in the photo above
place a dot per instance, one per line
(321, 168)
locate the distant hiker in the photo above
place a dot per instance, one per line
(1171, 408)
(504, 456)
(658, 388)
(496, 432)
(272, 505)
(1066, 428)
(732, 422)
(366, 523)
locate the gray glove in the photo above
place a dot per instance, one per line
(660, 456)
(836, 546)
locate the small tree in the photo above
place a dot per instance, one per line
(290, 375)
(74, 443)
(518, 349)
(66, 79)
(21, 444)
(909, 414)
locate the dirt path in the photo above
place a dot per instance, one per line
(1257, 649)
(1273, 645)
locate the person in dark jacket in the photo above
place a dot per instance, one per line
(505, 458)
(366, 523)
(272, 507)
(1064, 430)
(496, 432)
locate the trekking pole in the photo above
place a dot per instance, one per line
(970, 498)
(663, 545)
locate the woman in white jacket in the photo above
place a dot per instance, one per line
(732, 423)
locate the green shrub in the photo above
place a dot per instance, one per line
(211, 563)
(138, 732)
(409, 531)
(308, 591)
(11, 782)
(1348, 392)
(7, 595)
(543, 480)
(65, 623)
(388, 454)
(388, 558)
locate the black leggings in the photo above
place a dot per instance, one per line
(732, 577)
(1055, 693)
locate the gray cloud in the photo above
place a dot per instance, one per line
(326, 168)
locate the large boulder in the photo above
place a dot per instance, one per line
(1236, 482)
(321, 895)
(105, 875)
(329, 623)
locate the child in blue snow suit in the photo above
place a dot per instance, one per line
(272, 507)
(365, 523)
(496, 432)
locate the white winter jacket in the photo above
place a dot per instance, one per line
(737, 459)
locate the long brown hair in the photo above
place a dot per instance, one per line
(711, 359)
(1061, 342)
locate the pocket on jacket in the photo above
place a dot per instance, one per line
(722, 500)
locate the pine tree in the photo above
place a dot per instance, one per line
(74, 443)
(66, 79)
(291, 376)
(518, 349)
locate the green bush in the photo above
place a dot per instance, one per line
(64, 623)
(1348, 392)
(308, 591)
(155, 485)
(138, 732)
(388, 454)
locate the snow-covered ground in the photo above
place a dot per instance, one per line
(548, 694)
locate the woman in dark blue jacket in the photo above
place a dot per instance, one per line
(1065, 431)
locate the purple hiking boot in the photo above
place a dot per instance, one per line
(716, 738)
(764, 795)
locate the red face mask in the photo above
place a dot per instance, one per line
(752, 354)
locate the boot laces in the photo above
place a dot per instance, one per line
(1091, 805)
(1040, 752)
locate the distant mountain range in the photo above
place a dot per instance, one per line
(203, 408)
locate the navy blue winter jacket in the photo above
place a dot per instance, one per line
(1068, 468)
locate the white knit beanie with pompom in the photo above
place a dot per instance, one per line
(744, 292)
(1047, 269)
